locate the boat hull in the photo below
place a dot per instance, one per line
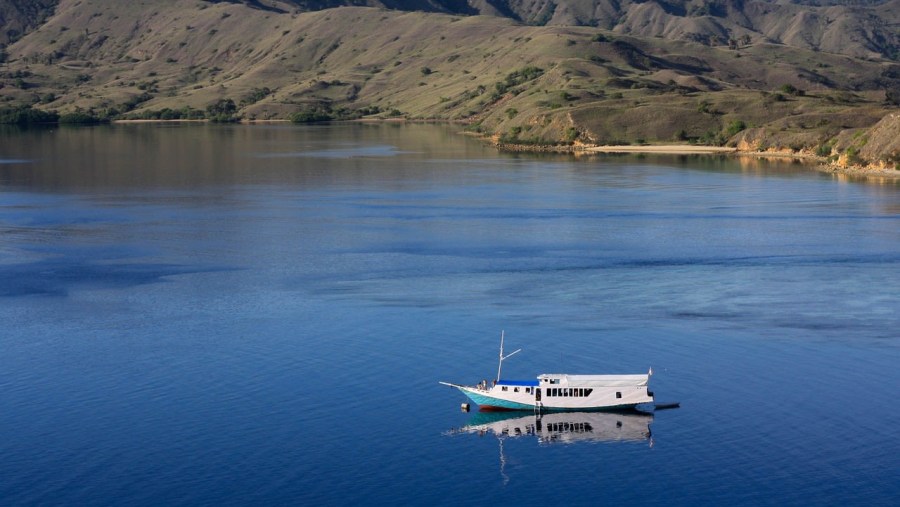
(487, 402)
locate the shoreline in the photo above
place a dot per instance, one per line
(178, 120)
(815, 162)
(664, 149)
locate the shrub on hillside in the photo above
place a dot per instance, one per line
(311, 116)
(26, 115)
(135, 101)
(892, 95)
(185, 113)
(514, 79)
(82, 117)
(222, 110)
(824, 149)
(734, 127)
(255, 96)
(792, 90)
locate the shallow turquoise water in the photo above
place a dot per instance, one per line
(260, 315)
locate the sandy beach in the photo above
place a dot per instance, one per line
(176, 120)
(669, 149)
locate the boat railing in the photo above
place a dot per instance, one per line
(483, 386)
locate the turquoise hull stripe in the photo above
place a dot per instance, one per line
(481, 399)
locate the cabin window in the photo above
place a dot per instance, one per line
(618, 394)
(515, 389)
(503, 388)
(527, 390)
(587, 392)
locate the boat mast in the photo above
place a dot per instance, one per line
(501, 355)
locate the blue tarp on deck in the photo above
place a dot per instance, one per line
(527, 383)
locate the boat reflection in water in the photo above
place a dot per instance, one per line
(562, 427)
(559, 428)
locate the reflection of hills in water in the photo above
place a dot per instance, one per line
(562, 427)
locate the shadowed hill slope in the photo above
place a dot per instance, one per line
(859, 28)
(18, 17)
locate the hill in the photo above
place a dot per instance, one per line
(522, 84)
(860, 28)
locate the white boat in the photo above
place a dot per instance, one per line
(559, 391)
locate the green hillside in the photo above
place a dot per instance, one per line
(523, 84)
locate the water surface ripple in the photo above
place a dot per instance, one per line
(230, 315)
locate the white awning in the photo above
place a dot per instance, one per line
(599, 380)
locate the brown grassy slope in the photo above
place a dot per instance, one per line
(860, 29)
(100, 54)
(863, 32)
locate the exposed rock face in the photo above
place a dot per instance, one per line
(884, 141)
(875, 148)
(878, 147)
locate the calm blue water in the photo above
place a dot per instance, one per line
(260, 316)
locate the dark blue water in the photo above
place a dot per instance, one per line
(260, 316)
